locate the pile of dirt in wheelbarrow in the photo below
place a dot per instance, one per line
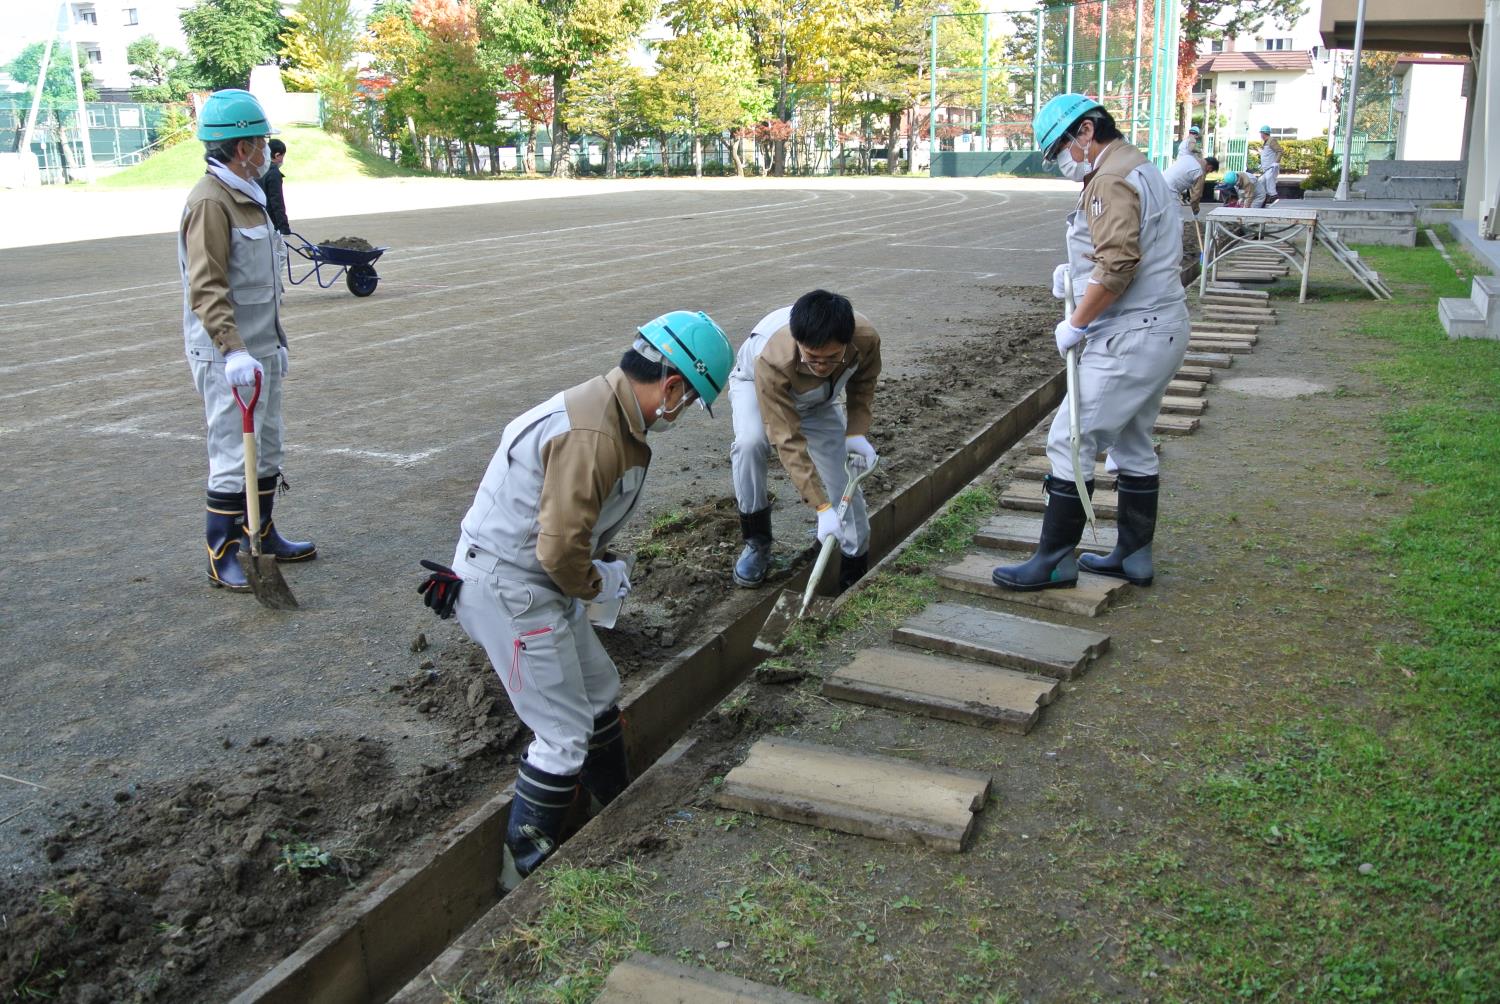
(348, 244)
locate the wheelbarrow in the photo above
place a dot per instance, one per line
(356, 267)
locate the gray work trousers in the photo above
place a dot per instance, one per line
(226, 443)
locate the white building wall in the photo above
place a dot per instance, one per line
(105, 38)
(1432, 112)
(1297, 104)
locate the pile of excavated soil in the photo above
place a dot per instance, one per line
(348, 244)
(187, 891)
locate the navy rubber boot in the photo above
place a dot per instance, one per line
(606, 771)
(852, 568)
(226, 516)
(755, 560)
(271, 541)
(1053, 565)
(536, 821)
(1131, 558)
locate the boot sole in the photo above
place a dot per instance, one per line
(291, 561)
(1037, 587)
(220, 584)
(745, 584)
(1120, 575)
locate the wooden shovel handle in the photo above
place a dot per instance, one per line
(252, 484)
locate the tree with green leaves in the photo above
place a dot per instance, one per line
(457, 96)
(395, 45)
(59, 103)
(605, 99)
(706, 86)
(159, 72)
(229, 38)
(319, 46)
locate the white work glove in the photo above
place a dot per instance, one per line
(616, 576)
(828, 523)
(1060, 281)
(861, 454)
(240, 368)
(1110, 467)
(1068, 336)
(286, 360)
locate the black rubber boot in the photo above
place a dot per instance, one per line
(271, 541)
(536, 821)
(754, 561)
(606, 771)
(1131, 558)
(226, 517)
(852, 568)
(1053, 565)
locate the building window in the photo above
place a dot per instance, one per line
(132, 16)
(85, 15)
(1276, 44)
(1262, 91)
(1217, 45)
(95, 56)
(1240, 84)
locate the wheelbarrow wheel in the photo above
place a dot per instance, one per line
(361, 280)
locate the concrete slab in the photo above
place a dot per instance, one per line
(1172, 405)
(1198, 374)
(1185, 388)
(951, 689)
(872, 796)
(1175, 425)
(1015, 530)
(1089, 598)
(1053, 650)
(1217, 360)
(1029, 497)
(648, 979)
(1034, 468)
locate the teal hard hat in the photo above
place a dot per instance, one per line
(1230, 177)
(1195, 130)
(232, 114)
(696, 347)
(1057, 116)
(1265, 130)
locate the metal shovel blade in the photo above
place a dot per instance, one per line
(785, 615)
(267, 582)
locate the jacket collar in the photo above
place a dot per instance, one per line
(630, 408)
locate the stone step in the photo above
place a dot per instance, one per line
(861, 793)
(1485, 294)
(1034, 468)
(1231, 327)
(1461, 319)
(1219, 345)
(1185, 388)
(1031, 647)
(1015, 530)
(955, 690)
(1175, 425)
(1028, 496)
(1217, 360)
(1089, 598)
(1171, 405)
(649, 979)
(1198, 374)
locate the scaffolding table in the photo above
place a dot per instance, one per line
(1286, 232)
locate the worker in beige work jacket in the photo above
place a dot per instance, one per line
(533, 554)
(1130, 325)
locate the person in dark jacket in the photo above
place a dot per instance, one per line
(271, 183)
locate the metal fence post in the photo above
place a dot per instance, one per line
(984, 84)
(1135, 84)
(932, 103)
(1103, 35)
(1068, 55)
(1036, 94)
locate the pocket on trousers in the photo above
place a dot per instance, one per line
(536, 647)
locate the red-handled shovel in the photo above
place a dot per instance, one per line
(265, 577)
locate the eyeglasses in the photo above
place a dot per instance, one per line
(823, 362)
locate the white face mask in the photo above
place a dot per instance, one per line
(1073, 170)
(265, 160)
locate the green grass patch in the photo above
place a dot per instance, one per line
(311, 155)
(1361, 846)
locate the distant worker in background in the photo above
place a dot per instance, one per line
(231, 324)
(1270, 161)
(275, 203)
(1195, 197)
(1189, 144)
(1244, 189)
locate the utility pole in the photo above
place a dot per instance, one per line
(1353, 98)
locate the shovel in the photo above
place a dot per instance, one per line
(265, 577)
(791, 607)
(1075, 422)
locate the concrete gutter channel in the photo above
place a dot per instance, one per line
(390, 939)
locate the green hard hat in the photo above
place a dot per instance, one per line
(696, 347)
(1057, 116)
(232, 114)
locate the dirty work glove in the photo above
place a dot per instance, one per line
(440, 589)
(240, 368)
(1060, 281)
(1068, 336)
(861, 454)
(616, 576)
(828, 522)
(286, 361)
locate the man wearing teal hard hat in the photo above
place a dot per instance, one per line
(785, 390)
(1270, 165)
(227, 253)
(1130, 323)
(533, 565)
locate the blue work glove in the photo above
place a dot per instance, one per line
(861, 454)
(240, 368)
(828, 522)
(1068, 336)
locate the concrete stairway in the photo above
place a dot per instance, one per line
(1414, 180)
(1370, 222)
(1476, 317)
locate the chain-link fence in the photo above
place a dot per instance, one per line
(120, 133)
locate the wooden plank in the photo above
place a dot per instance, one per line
(1029, 496)
(1217, 334)
(1217, 314)
(1238, 292)
(1217, 360)
(1185, 388)
(1219, 345)
(1201, 374)
(1175, 425)
(873, 796)
(951, 689)
(1036, 467)
(1183, 405)
(1039, 449)
(1053, 650)
(972, 575)
(1231, 327)
(1015, 530)
(648, 979)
